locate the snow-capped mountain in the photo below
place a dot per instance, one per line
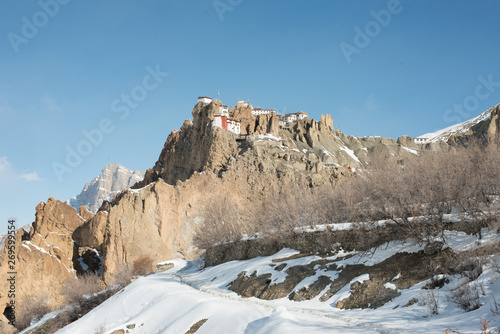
(113, 179)
(446, 133)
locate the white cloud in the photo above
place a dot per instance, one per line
(370, 102)
(8, 173)
(50, 104)
(29, 177)
(4, 164)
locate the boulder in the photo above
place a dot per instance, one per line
(433, 248)
(368, 294)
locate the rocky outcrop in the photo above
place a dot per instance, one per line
(485, 131)
(367, 294)
(85, 213)
(55, 217)
(112, 180)
(261, 286)
(254, 125)
(333, 148)
(5, 328)
(53, 229)
(369, 286)
(243, 113)
(198, 166)
(91, 233)
(266, 124)
(158, 221)
(44, 258)
(196, 147)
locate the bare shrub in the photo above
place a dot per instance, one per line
(424, 190)
(100, 330)
(494, 305)
(225, 220)
(485, 329)
(467, 296)
(76, 311)
(77, 290)
(416, 195)
(430, 299)
(121, 278)
(34, 307)
(495, 264)
(142, 266)
(221, 223)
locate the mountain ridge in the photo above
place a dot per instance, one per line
(112, 179)
(460, 129)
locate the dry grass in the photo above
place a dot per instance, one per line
(34, 307)
(77, 290)
(122, 277)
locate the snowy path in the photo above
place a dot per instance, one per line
(165, 304)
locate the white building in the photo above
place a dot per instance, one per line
(421, 140)
(242, 103)
(260, 111)
(301, 115)
(204, 99)
(233, 126)
(217, 121)
(289, 118)
(224, 111)
(282, 123)
(227, 124)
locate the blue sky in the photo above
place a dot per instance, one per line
(67, 68)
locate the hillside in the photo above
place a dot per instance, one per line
(214, 187)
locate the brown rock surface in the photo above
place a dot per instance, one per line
(85, 213)
(44, 259)
(38, 271)
(91, 233)
(55, 216)
(368, 294)
(7, 329)
(196, 147)
(487, 129)
(53, 229)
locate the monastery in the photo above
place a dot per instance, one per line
(223, 121)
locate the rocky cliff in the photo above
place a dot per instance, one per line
(196, 147)
(45, 256)
(112, 180)
(200, 165)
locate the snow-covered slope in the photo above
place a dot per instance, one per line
(113, 179)
(446, 133)
(173, 301)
